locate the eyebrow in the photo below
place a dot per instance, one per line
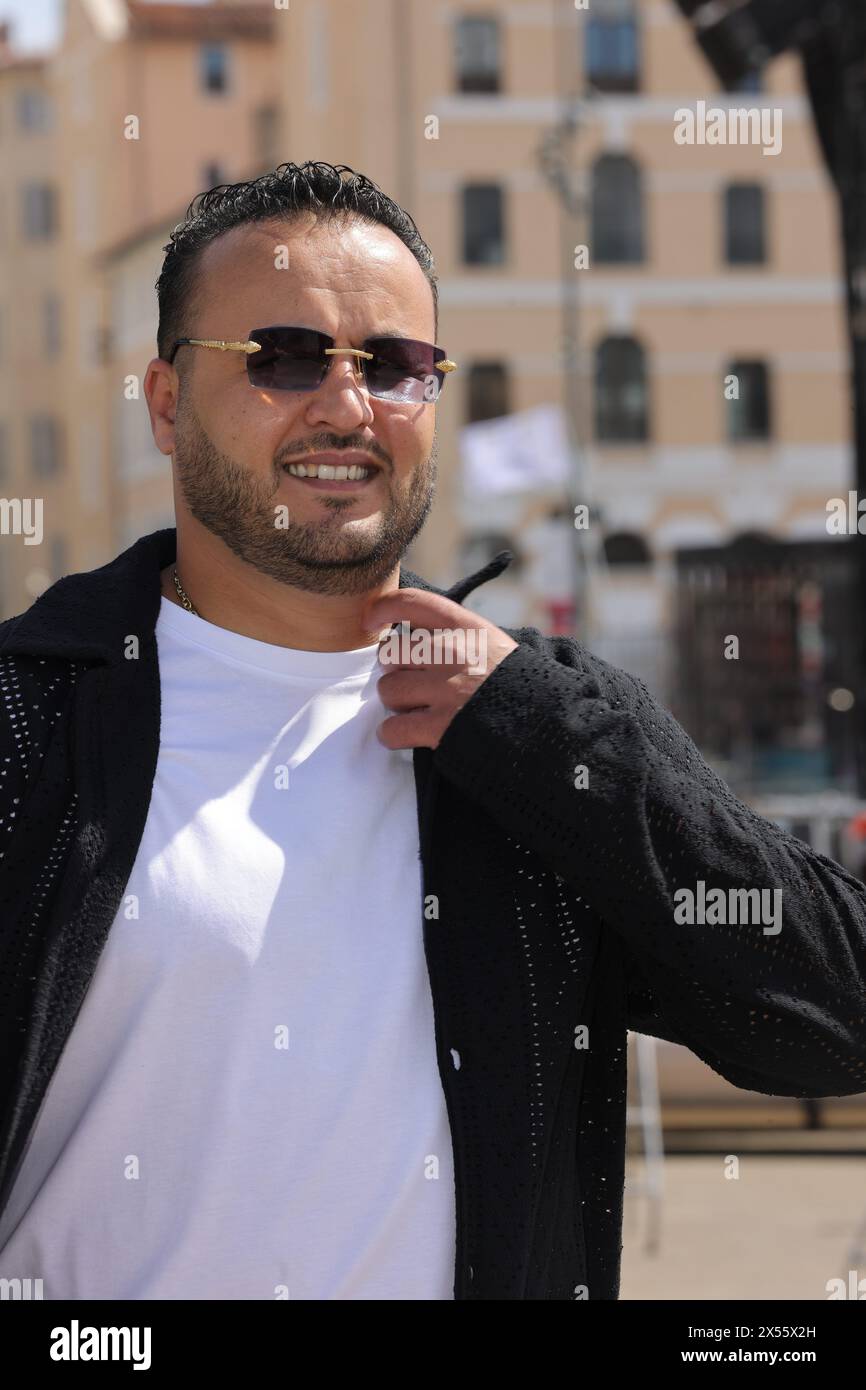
(388, 333)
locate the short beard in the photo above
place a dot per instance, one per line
(238, 507)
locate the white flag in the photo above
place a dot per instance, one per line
(516, 453)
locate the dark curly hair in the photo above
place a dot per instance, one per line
(279, 195)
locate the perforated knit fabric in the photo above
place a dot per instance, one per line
(555, 932)
(38, 808)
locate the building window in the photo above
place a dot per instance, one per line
(625, 548)
(266, 134)
(39, 211)
(91, 342)
(483, 225)
(33, 110)
(749, 414)
(612, 46)
(621, 398)
(212, 175)
(744, 224)
(477, 54)
(44, 446)
(85, 207)
(59, 557)
(617, 210)
(214, 67)
(488, 391)
(51, 324)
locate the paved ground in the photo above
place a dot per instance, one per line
(782, 1229)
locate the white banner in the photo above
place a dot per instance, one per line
(516, 453)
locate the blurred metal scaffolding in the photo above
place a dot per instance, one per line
(556, 161)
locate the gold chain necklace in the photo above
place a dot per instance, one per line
(183, 595)
(187, 601)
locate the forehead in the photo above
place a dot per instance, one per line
(341, 273)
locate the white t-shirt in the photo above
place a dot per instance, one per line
(249, 1104)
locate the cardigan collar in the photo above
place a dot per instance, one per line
(91, 615)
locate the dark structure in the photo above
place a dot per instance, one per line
(777, 710)
(830, 35)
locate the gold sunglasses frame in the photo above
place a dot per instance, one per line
(227, 345)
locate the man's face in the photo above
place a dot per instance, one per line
(233, 442)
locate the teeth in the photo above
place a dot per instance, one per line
(337, 473)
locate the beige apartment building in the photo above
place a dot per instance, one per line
(32, 540)
(705, 263)
(151, 103)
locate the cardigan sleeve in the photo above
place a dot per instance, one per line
(575, 759)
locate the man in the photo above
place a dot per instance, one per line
(319, 967)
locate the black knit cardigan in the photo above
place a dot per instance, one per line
(554, 931)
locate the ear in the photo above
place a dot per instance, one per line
(161, 384)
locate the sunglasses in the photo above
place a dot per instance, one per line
(297, 359)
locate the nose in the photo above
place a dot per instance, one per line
(342, 397)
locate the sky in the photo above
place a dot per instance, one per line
(35, 23)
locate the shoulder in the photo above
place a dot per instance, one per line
(32, 667)
(34, 691)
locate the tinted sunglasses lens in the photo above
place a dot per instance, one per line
(402, 369)
(289, 359)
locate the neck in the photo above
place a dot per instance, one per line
(231, 594)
